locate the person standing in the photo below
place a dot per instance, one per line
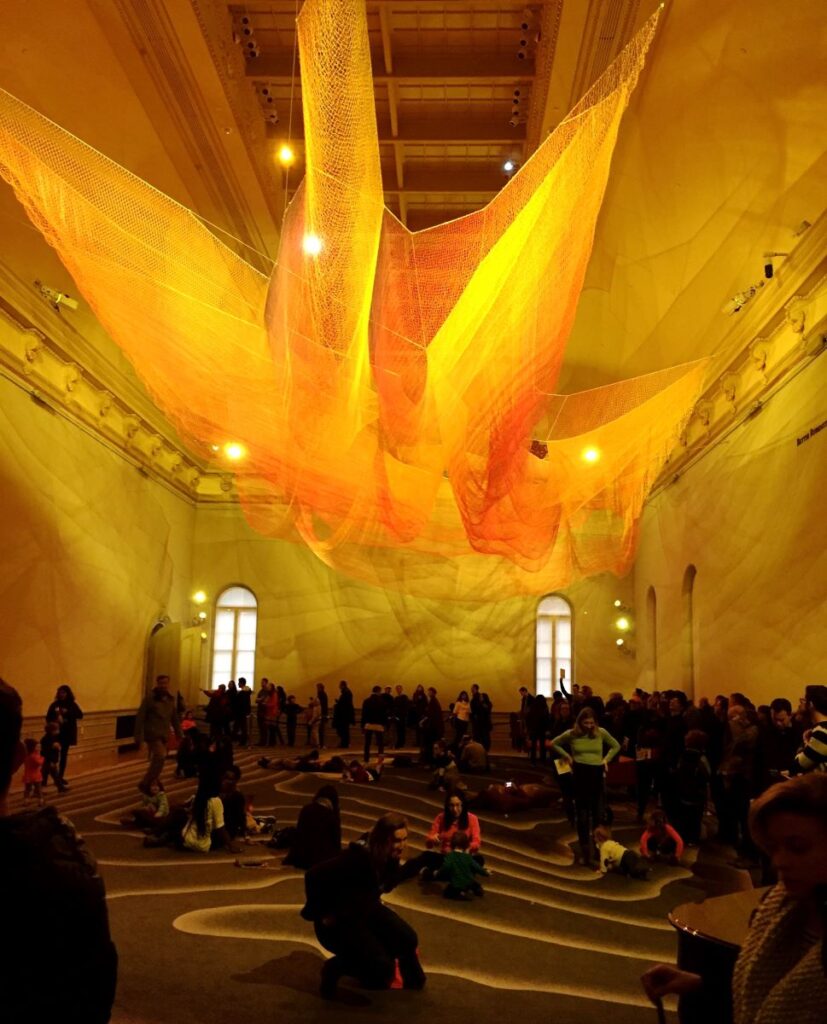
(324, 708)
(432, 725)
(537, 722)
(343, 714)
(582, 748)
(156, 716)
(401, 706)
(374, 720)
(65, 711)
(243, 707)
(261, 710)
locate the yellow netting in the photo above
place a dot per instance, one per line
(387, 388)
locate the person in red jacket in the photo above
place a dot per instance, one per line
(661, 840)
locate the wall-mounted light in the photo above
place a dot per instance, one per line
(199, 597)
(203, 636)
(286, 155)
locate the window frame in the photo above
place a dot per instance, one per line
(554, 619)
(234, 652)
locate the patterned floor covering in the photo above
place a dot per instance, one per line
(201, 939)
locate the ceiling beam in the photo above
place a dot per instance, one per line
(417, 69)
(424, 131)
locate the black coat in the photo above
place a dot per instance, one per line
(66, 713)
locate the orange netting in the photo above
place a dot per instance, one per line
(388, 387)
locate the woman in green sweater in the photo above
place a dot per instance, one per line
(583, 749)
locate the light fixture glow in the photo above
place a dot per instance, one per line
(311, 244)
(203, 636)
(590, 454)
(234, 451)
(617, 603)
(287, 156)
(509, 166)
(215, 447)
(199, 597)
(623, 623)
(202, 616)
(619, 641)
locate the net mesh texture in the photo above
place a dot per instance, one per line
(390, 389)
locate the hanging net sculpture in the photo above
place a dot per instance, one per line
(395, 390)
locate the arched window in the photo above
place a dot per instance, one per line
(234, 641)
(652, 624)
(555, 650)
(688, 632)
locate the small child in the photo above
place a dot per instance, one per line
(615, 857)
(459, 868)
(660, 840)
(33, 774)
(154, 809)
(50, 751)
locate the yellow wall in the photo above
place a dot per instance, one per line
(91, 553)
(751, 517)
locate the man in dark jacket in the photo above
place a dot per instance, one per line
(49, 886)
(401, 706)
(343, 714)
(156, 716)
(344, 902)
(375, 720)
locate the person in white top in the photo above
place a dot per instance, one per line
(205, 829)
(613, 856)
(461, 716)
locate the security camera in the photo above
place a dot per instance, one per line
(55, 298)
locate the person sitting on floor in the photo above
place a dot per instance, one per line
(154, 809)
(473, 757)
(344, 902)
(455, 817)
(459, 869)
(446, 774)
(660, 840)
(205, 829)
(234, 803)
(613, 856)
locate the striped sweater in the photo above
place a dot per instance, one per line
(814, 755)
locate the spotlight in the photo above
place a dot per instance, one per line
(623, 624)
(509, 167)
(620, 641)
(235, 451)
(617, 603)
(199, 597)
(202, 616)
(590, 455)
(203, 636)
(311, 244)
(286, 155)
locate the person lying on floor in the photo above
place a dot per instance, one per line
(458, 870)
(358, 772)
(508, 797)
(344, 903)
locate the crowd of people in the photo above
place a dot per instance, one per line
(762, 769)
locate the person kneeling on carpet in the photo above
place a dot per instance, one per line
(613, 856)
(344, 902)
(459, 868)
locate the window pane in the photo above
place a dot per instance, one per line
(554, 606)
(543, 651)
(245, 663)
(224, 622)
(544, 629)
(246, 624)
(222, 664)
(563, 651)
(562, 628)
(543, 671)
(237, 597)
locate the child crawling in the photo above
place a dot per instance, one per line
(459, 868)
(614, 856)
